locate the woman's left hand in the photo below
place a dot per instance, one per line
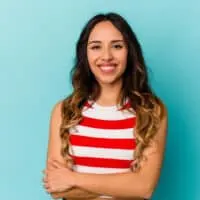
(58, 178)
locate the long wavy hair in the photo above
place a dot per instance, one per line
(135, 86)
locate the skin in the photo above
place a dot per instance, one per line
(53, 153)
(105, 46)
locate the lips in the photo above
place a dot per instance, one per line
(107, 67)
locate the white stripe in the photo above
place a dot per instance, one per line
(103, 133)
(98, 170)
(107, 114)
(93, 152)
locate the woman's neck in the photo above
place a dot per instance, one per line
(109, 94)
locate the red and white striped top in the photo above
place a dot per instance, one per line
(103, 142)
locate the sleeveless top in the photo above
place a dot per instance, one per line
(103, 141)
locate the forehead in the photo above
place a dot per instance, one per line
(105, 31)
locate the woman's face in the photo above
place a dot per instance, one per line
(107, 53)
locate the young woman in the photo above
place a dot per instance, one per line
(107, 138)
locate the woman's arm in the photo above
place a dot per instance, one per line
(74, 193)
(54, 146)
(140, 184)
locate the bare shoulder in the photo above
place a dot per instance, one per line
(163, 122)
(163, 111)
(162, 131)
(158, 141)
(54, 142)
(56, 110)
(161, 134)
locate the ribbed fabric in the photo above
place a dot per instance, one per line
(103, 142)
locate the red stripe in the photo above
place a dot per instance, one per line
(126, 106)
(101, 162)
(102, 142)
(87, 104)
(108, 124)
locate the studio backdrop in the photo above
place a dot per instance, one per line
(37, 48)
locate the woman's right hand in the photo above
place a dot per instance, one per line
(72, 193)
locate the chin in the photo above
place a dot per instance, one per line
(107, 82)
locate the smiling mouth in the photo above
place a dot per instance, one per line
(108, 68)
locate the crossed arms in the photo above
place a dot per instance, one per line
(141, 184)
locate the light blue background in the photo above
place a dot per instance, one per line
(37, 44)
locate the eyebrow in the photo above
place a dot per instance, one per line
(97, 41)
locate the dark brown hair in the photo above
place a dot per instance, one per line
(147, 106)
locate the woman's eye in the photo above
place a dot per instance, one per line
(95, 47)
(118, 46)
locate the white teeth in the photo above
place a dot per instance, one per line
(107, 68)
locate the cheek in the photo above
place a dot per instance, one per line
(91, 60)
(123, 59)
(92, 56)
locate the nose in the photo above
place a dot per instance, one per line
(107, 54)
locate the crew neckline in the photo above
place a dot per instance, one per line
(115, 107)
(98, 106)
